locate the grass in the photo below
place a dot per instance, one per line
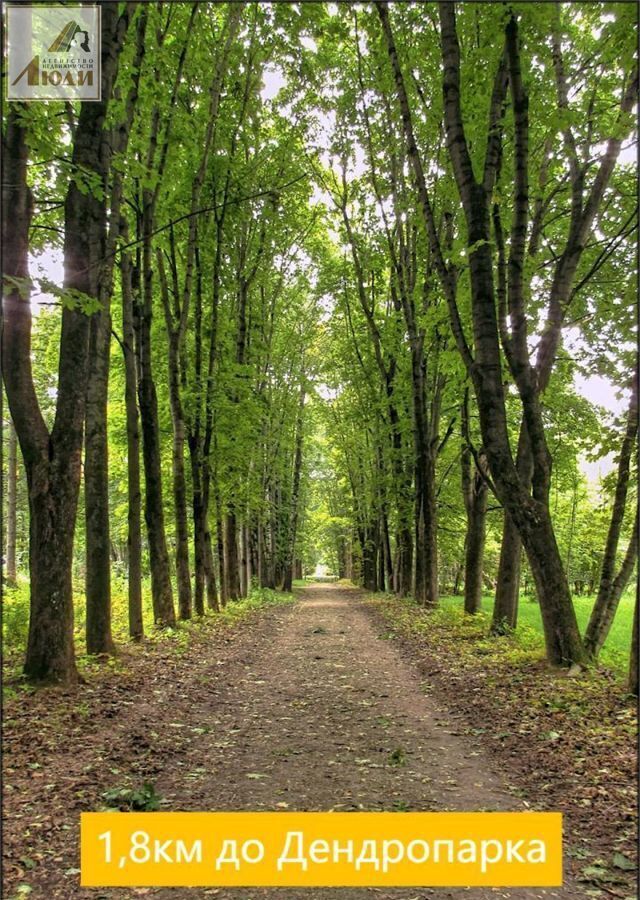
(614, 654)
(15, 621)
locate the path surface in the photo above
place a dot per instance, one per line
(327, 712)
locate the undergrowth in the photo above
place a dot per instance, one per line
(15, 626)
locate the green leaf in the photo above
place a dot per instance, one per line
(620, 861)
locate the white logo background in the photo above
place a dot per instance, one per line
(53, 53)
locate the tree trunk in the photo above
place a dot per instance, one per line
(295, 494)
(213, 602)
(426, 569)
(180, 497)
(182, 527)
(457, 580)
(633, 659)
(96, 488)
(475, 552)
(222, 561)
(96, 461)
(134, 514)
(161, 589)
(475, 492)
(199, 526)
(204, 565)
(174, 332)
(602, 616)
(242, 566)
(53, 496)
(232, 568)
(369, 546)
(404, 544)
(505, 607)
(609, 592)
(12, 506)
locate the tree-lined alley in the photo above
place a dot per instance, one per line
(331, 277)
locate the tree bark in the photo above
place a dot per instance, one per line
(369, 548)
(213, 601)
(602, 616)
(12, 506)
(475, 494)
(505, 607)
(611, 588)
(199, 526)
(183, 574)
(287, 584)
(161, 589)
(426, 571)
(232, 562)
(96, 488)
(134, 496)
(633, 659)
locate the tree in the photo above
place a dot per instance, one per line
(530, 513)
(611, 584)
(475, 492)
(52, 458)
(12, 510)
(96, 451)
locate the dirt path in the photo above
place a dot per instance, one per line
(309, 710)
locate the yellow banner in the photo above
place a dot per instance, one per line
(289, 849)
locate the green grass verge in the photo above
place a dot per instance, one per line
(529, 636)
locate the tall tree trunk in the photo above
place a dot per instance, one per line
(220, 546)
(134, 496)
(609, 591)
(161, 589)
(388, 558)
(199, 525)
(222, 561)
(180, 508)
(96, 459)
(213, 601)
(53, 460)
(12, 506)
(602, 616)
(183, 574)
(295, 494)
(369, 547)
(247, 558)
(475, 495)
(505, 607)
(176, 325)
(242, 536)
(232, 562)
(404, 543)
(633, 659)
(474, 553)
(426, 570)
(96, 488)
